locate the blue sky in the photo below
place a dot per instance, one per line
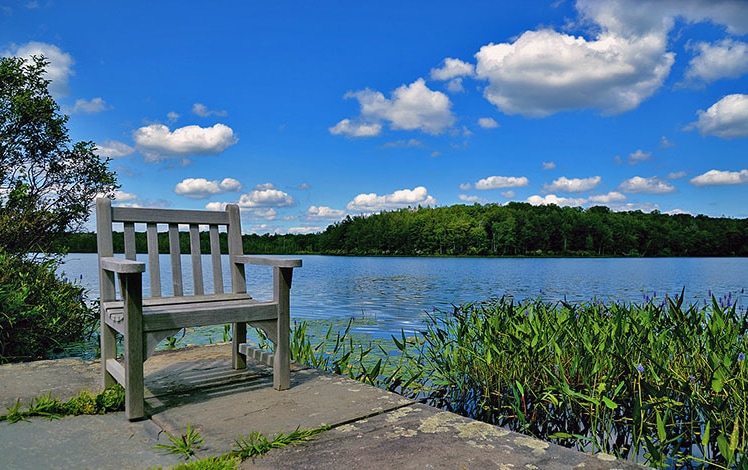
(303, 112)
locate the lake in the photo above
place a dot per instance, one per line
(387, 295)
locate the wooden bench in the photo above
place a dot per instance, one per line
(145, 321)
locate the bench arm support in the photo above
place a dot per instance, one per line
(267, 261)
(121, 265)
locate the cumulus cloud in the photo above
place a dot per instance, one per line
(60, 66)
(265, 195)
(573, 185)
(93, 106)
(372, 202)
(611, 197)
(497, 182)
(651, 185)
(724, 59)
(412, 107)
(549, 165)
(121, 196)
(468, 198)
(353, 129)
(203, 111)
(323, 212)
(157, 142)
(727, 118)
(488, 123)
(720, 178)
(452, 68)
(553, 199)
(201, 188)
(639, 156)
(113, 149)
(545, 72)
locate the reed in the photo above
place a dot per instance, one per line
(658, 382)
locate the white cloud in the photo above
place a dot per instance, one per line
(60, 66)
(203, 111)
(723, 59)
(573, 185)
(346, 126)
(201, 188)
(216, 206)
(488, 123)
(553, 199)
(466, 198)
(676, 175)
(412, 107)
(452, 68)
(265, 195)
(323, 212)
(402, 198)
(113, 149)
(720, 178)
(611, 197)
(455, 85)
(640, 16)
(267, 213)
(466, 187)
(639, 156)
(93, 106)
(727, 118)
(496, 182)
(172, 117)
(549, 165)
(507, 194)
(651, 185)
(157, 142)
(545, 72)
(121, 196)
(665, 143)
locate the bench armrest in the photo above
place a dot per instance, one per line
(121, 265)
(268, 261)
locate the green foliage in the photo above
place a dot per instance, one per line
(657, 379)
(109, 399)
(515, 229)
(39, 311)
(185, 445)
(257, 444)
(48, 182)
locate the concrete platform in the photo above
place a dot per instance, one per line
(371, 428)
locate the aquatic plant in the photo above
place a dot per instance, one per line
(657, 382)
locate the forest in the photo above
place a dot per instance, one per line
(514, 229)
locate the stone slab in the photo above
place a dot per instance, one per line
(81, 442)
(418, 437)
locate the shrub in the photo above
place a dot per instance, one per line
(39, 310)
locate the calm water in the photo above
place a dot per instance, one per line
(385, 295)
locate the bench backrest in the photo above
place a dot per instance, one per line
(108, 218)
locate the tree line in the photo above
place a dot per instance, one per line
(514, 229)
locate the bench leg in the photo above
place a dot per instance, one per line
(282, 359)
(108, 351)
(239, 336)
(132, 296)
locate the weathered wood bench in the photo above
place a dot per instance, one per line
(144, 322)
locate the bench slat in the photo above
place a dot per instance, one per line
(176, 259)
(153, 259)
(215, 257)
(168, 216)
(197, 260)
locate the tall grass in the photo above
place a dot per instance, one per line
(657, 382)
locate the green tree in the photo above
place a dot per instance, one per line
(47, 182)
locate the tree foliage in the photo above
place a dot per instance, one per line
(47, 182)
(515, 229)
